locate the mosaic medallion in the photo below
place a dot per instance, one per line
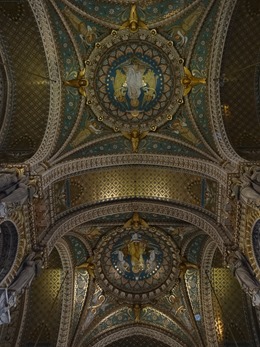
(135, 80)
(137, 265)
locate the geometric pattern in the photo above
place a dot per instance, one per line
(135, 182)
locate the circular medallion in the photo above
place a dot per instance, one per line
(135, 80)
(134, 83)
(137, 265)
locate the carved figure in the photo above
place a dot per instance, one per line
(6, 302)
(136, 222)
(243, 272)
(189, 81)
(30, 268)
(137, 312)
(8, 179)
(135, 136)
(247, 188)
(133, 23)
(186, 265)
(89, 266)
(15, 187)
(80, 82)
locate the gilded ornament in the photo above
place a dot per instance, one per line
(186, 265)
(133, 23)
(89, 266)
(189, 81)
(136, 222)
(80, 82)
(135, 136)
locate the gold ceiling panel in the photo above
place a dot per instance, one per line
(45, 301)
(229, 306)
(27, 118)
(135, 182)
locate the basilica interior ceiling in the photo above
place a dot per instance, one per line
(134, 119)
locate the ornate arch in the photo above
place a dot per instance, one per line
(206, 291)
(78, 166)
(188, 215)
(49, 139)
(143, 330)
(218, 43)
(68, 285)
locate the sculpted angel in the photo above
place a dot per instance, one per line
(136, 222)
(135, 136)
(80, 82)
(189, 81)
(133, 23)
(242, 270)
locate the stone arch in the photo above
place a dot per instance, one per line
(191, 216)
(64, 330)
(144, 331)
(221, 139)
(79, 166)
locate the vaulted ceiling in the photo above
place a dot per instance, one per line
(130, 164)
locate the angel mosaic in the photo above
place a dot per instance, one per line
(137, 257)
(134, 84)
(86, 32)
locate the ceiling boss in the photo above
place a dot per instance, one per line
(134, 79)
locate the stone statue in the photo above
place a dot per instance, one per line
(243, 272)
(6, 302)
(30, 268)
(8, 179)
(27, 272)
(15, 187)
(247, 189)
